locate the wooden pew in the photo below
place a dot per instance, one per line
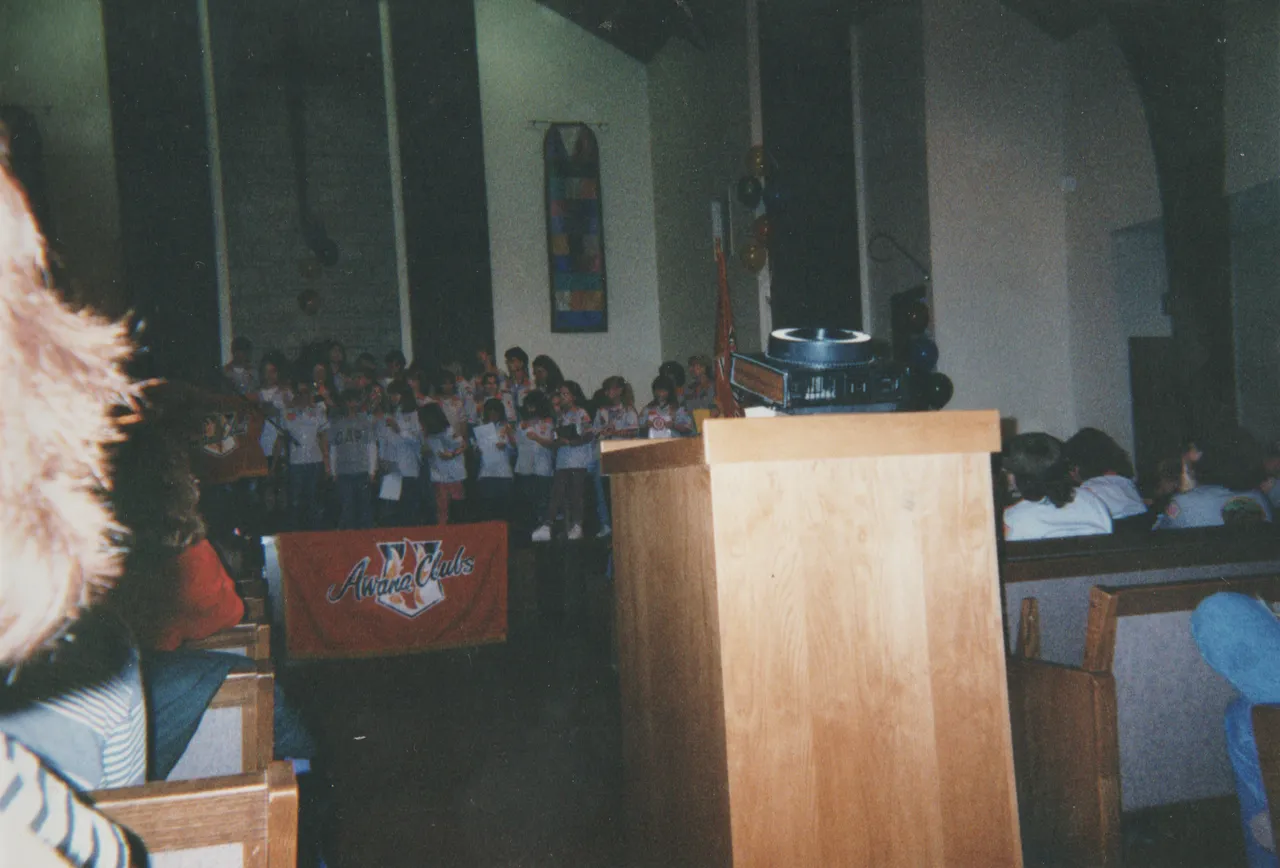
(1059, 573)
(236, 733)
(251, 639)
(1093, 740)
(1266, 733)
(237, 821)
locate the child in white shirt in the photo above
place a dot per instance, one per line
(494, 441)
(535, 458)
(1051, 504)
(446, 457)
(574, 451)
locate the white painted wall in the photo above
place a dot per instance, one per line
(1252, 93)
(534, 64)
(1111, 184)
(994, 96)
(895, 183)
(53, 63)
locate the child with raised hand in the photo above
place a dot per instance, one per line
(307, 424)
(574, 450)
(1229, 478)
(353, 462)
(446, 457)
(494, 441)
(664, 417)
(535, 458)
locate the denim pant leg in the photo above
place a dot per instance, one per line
(1240, 638)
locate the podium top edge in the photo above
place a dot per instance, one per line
(812, 438)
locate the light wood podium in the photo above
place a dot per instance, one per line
(810, 646)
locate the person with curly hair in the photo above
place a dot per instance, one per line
(62, 376)
(1051, 505)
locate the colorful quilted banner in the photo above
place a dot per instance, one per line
(575, 232)
(372, 593)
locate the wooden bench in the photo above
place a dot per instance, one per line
(236, 734)
(1059, 573)
(251, 639)
(236, 821)
(1139, 724)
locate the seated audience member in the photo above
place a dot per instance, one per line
(60, 372)
(1229, 477)
(1101, 466)
(1051, 504)
(1239, 637)
(174, 587)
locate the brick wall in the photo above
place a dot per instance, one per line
(348, 166)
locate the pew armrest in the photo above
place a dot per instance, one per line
(1067, 763)
(1266, 734)
(250, 639)
(207, 820)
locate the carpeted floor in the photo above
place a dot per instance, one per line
(505, 755)
(510, 755)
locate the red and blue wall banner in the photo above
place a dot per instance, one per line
(388, 591)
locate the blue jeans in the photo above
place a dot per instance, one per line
(305, 506)
(355, 502)
(1240, 638)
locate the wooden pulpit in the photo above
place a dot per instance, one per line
(809, 642)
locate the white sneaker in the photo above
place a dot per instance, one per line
(542, 534)
(575, 532)
(605, 532)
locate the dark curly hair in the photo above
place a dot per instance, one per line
(1093, 453)
(1039, 468)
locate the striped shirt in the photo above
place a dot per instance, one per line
(36, 798)
(84, 711)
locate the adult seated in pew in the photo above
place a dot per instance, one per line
(1229, 486)
(1239, 637)
(63, 383)
(1100, 466)
(174, 588)
(1051, 504)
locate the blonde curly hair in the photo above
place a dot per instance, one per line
(63, 395)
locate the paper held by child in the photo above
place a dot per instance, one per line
(390, 489)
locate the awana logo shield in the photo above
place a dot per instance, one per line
(410, 577)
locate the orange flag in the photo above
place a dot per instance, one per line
(726, 342)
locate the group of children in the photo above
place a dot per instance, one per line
(404, 446)
(1086, 485)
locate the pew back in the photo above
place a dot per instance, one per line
(235, 735)
(238, 821)
(1170, 704)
